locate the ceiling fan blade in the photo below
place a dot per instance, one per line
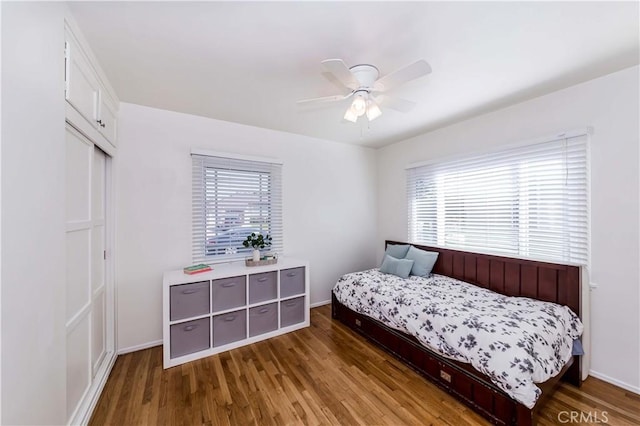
(323, 100)
(339, 69)
(403, 75)
(398, 104)
(334, 80)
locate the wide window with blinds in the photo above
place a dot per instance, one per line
(528, 201)
(231, 199)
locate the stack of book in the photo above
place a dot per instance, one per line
(196, 269)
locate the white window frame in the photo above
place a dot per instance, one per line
(214, 239)
(418, 212)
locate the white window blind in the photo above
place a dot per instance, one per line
(231, 199)
(528, 201)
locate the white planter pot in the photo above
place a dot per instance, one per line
(256, 255)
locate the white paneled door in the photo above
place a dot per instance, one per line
(88, 293)
(98, 258)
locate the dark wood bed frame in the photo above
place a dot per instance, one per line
(512, 277)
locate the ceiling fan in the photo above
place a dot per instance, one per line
(367, 89)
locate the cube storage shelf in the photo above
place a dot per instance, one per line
(231, 306)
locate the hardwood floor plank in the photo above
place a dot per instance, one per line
(321, 375)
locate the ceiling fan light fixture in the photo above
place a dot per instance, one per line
(350, 115)
(359, 105)
(373, 110)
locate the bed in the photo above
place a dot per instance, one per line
(545, 282)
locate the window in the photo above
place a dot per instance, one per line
(528, 201)
(231, 199)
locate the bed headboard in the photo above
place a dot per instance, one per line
(550, 282)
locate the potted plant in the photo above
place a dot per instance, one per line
(257, 242)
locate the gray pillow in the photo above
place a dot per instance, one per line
(399, 251)
(423, 261)
(399, 267)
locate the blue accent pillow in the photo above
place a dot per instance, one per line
(423, 261)
(577, 348)
(395, 266)
(399, 251)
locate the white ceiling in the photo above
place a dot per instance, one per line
(249, 62)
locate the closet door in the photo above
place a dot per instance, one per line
(98, 260)
(88, 294)
(79, 247)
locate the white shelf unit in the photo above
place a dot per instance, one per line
(282, 290)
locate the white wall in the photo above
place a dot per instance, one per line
(33, 220)
(610, 105)
(328, 195)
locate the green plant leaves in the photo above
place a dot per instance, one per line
(257, 241)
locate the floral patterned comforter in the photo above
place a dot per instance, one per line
(516, 341)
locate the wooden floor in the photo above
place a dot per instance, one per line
(324, 374)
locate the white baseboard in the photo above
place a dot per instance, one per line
(620, 384)
(139, 347)
(324, 302)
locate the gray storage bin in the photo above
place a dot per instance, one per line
(263, 287)
(229, 293)
(189, 300)
(263, 319)
(230, 327)
(291, 282)
(291, 311)
(189, 337)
